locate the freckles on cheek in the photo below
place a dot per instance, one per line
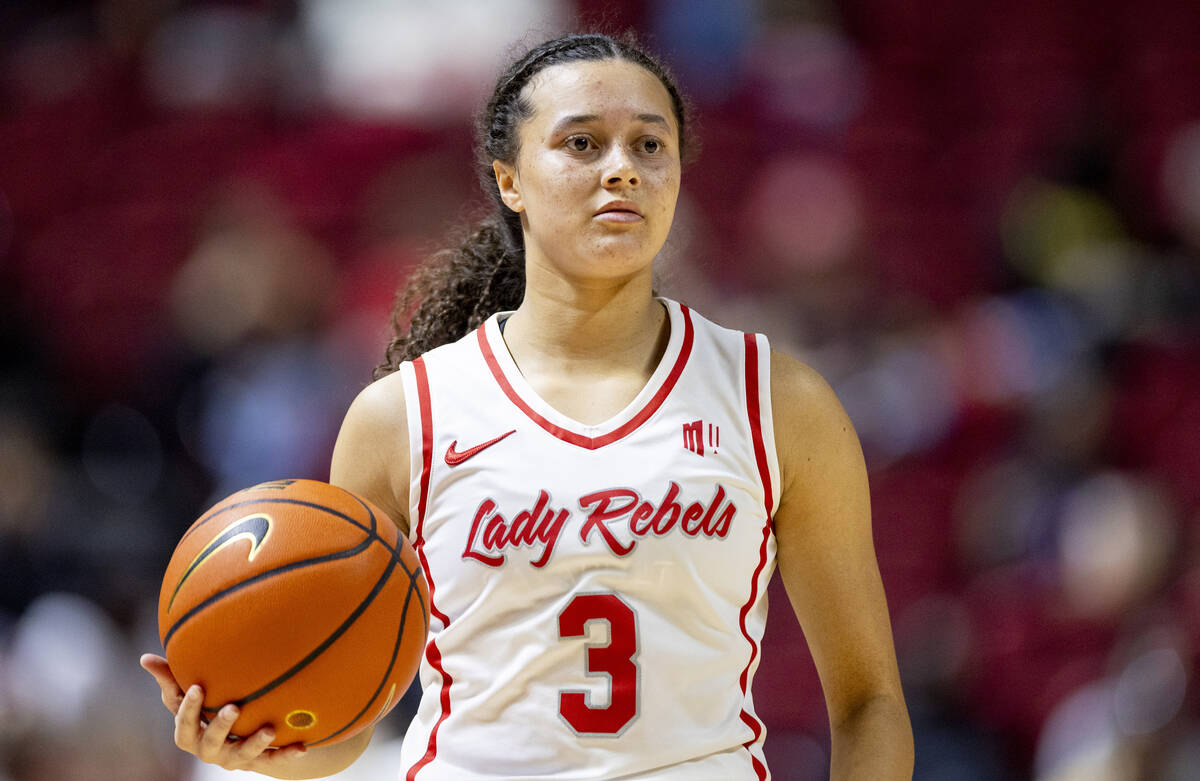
(670, 196)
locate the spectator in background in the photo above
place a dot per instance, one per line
(1011, 194)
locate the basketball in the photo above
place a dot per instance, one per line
(300, 603)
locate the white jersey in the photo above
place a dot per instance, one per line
(598, 592)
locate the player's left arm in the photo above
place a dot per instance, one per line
(826, 557)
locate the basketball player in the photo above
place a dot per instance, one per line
(599, 482)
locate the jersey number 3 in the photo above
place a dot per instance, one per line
(613, 660)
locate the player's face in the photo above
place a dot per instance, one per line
(597, 175)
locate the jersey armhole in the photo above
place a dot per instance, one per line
(766, 420)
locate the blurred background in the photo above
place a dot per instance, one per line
(979, 219)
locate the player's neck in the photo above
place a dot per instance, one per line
(613, 325)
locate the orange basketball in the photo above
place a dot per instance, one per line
(300, 603)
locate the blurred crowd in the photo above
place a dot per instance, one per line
(979, 219)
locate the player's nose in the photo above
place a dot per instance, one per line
(619, 167)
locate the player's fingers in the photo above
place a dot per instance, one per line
(273, 759)
(294, 751)
(172, 700)
(187, 720)
(252, 747)
(156, 666)
(172, 695)
(216, 733)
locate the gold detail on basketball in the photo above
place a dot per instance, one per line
(387, 704)
(301, 719)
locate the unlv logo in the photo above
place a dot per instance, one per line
(693, 436)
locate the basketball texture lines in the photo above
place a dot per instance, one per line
(293, 601)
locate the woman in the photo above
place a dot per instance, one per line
(600, 482)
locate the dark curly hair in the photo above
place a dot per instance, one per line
(457, 289)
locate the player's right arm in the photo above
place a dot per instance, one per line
(371, 458)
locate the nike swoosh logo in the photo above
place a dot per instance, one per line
(255, 528)
(456, 457)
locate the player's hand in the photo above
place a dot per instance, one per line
(210, 741)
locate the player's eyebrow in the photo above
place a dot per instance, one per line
(572, 119)
(655, 119)
(581, 119)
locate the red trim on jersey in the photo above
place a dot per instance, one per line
(434, 657)
(760, 449)
(591, 443)
(764, 473)
(426, 410)
(432, 654)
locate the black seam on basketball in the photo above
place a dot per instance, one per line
(424, 606)
(276, 500)
(343, 554)
(320, 649)
(370, 512)
(386, 673)
(373, 532)
(375, 526)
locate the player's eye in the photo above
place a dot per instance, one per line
(651, 146)
(579, 143)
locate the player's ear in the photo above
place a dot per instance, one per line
(509, 185)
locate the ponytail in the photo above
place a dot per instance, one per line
(456, 290)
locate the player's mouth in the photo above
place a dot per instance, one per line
(619, 211)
